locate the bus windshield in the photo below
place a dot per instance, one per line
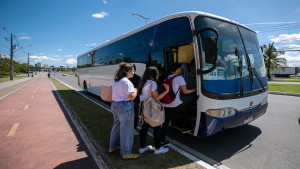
(238, 51)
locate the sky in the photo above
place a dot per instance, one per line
(55, 32)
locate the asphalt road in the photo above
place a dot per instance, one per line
(272, 141)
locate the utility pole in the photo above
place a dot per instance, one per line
(28, 64)
(11, 58)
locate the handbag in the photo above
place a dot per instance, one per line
(151, 111)
(106, 93)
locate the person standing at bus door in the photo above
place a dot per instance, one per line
(177, 105)
(123, 92)
(151, 74)
(135, 81)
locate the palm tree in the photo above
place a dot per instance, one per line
(272, 59)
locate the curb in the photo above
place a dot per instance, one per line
(97, 153)
(285, 94)
(104, 158)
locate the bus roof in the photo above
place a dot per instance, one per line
(191, 14)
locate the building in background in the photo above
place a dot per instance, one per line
(38, 66)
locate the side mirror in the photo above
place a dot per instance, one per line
(211, 50)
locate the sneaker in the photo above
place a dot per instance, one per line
(142, 150)
(135, 132)
(164, 143)
(130, 156)
(186, 130)
(161, 150)
(111, 150)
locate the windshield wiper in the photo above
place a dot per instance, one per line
(240, 71)
(257, 77)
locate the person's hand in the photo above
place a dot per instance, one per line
(166, 87)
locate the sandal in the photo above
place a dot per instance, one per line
(111, 150)
(130, 156)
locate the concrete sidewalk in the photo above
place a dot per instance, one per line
(36, 132)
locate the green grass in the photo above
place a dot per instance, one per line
(99, 122)
(290, 88)
(71, 73)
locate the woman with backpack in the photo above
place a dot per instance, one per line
(123, 92)
(150, 76)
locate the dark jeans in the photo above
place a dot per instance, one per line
(156, 134)
(169, 114)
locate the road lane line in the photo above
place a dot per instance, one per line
(13, 129)
(26, 107)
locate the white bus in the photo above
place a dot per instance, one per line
(220, 57)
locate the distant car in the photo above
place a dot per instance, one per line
(64, 74)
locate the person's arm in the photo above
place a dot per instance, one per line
(133, 95)
(157, 97)
(187, 91)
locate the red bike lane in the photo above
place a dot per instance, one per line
(36, 133)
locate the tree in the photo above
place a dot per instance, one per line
(272, 59)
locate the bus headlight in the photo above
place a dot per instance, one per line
(221, 113)
(264, 101)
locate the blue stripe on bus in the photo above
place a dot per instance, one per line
(232, 86)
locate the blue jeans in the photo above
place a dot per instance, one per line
(122, 130)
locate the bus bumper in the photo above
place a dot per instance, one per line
(212, 125)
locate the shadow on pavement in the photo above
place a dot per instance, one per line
(221, 146)
(84, 163)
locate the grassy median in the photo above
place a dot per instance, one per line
(290, 88)
(99, 122)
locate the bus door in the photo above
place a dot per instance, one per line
(185, 55)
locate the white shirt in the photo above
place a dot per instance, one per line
(145, 91)
(121, 89)
(176, 83)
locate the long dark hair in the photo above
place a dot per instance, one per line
(123, 70)
(149, 74)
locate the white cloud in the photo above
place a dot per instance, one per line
(100, 15)
(24, 37)
(56, 56)
(104, 1)
(68, 55)
(293, 46)
(286, 38)
(71, 61)
(40, 58)
(293, 59)
(92, 44)
(268, 23)
(59, 50)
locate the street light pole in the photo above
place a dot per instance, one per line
(141, 16)
(28, 64)
(11, 58)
